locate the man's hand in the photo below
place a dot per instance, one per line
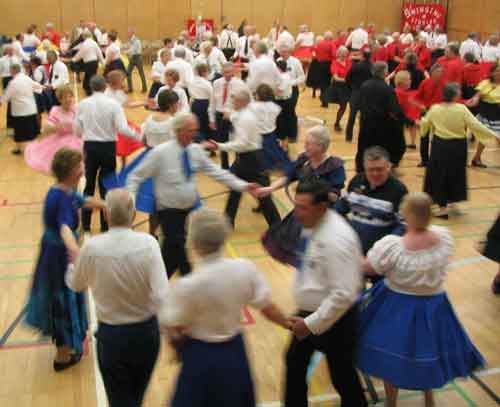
(253, 188)
(299, 328)
(264, 191)
(210, 145)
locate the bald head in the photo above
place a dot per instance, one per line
(120, 209)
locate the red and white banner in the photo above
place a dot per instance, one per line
(191, 26)
(423, 14)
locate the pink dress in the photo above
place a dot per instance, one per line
(39, 153)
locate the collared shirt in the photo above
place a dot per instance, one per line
(294, 68)
(200, 88)
(266, 114)
(469, 45)
(158, 71)
(326, 50)
(245, 136)
(5, 63)
(217, 103)
(228, 39)
(214, 60)
(453, 69)
(243, 49)
(285, 39)
(329, 280)
(263, 70)
(18, 50)
(208, 302)
(357, 38)
(155, 132)
(58, 75)
(40, 75)
(406, 39)
(184, 69)
(305, 39)
(99, 117)
(491, 54)
(440, 41)
(183, 100)
(126, 273)
(116, 94)
(173, 189)
(113, 52)
(30, 40)
(285, 87)
(89, 51)
(134, 46)
(189, 58)
(19, 93)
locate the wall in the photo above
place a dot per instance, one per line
(155, 19)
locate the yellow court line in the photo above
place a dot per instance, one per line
(313, 384)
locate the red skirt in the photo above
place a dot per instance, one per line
(125, 145)
(304, 53)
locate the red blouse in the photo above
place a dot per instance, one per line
(380, 55)
(453, 69)
(326, 50)
(430, 92)
(340, 69)
(424, 56)
(473, 74)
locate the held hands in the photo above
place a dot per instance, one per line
(264, 191)
(210, 145)
(253, 189)
(299, 327)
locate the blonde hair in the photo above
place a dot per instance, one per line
(115, 77)
(64, 90)
(416, 208)
(401, 76)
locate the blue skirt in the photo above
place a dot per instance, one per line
(54, 309)
(214, 374)
(413, 342)
(145, 198)
(274, 156)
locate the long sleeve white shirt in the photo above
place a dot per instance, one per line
(245, 136)
(285, 87)
(99, 117)
(305, 39)
(184, 69)
(156, 132)
(158, 71)
(19, 93)
(125, 271)
(183, 100)
(243, 50)
(266, 114)
(89, 51)
(228, 39)
(491, 54)
(208, 302)
(5, 63)
(200, 88)
(112, 52)
(58, 75)
(263, 70)
(295, 70)
(329, 281)
(285, 39)
(357, 38)
(172, 188)
(217, 103)
(469, 45)
(440, 41)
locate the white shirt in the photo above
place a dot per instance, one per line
(245, 136)
(126, 273)
(103, 40)
(6, 62)
(217, 103)
(18, 50)
(200, 88)
(215, 60)
(305, 39)
(491, 54)
(208, 302)
(117, 95)
(440, 41)
(357, 38)
(406, 38)
(266, 114)
(263, 70)
(285, 39)
(30, 40)
(64, 44)
(99, 117)
(158, 71)
(155, 132)
(184, 69)
(89, 51)
(420, 272)
(112, 52)
(329, 281)
(39, 75)
(285, 87)
(228, 39)
(19, 93)
(99, 36)
(242, 41)
(189, 58)
(469, 45)
(172, 188)
(295, 70)
(58, 75)
(183, 100)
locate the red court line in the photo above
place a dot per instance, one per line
(248, 317)
(5, 204)
(41, 344)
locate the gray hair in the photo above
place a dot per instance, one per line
(97, 83)
(342, 51)
(261, 47)
(375, 153)
(180, 52)
(15, 68)
(208, 230)
(454, 47)
(379, 69)
(179, 121)
(120, 207)
(243, 95)
(450, 91)
(228, 65)
(328, 35)
(320, 135)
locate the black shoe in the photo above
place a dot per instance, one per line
(16, 151)
(324, 105)
(337, 128)
(412, 146)
(73, 360)
(443, 216)
(422, 164)
(478, 164)
(257, 209)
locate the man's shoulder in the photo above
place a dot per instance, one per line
(396, 185)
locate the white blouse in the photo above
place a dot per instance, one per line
(266, 114)
(156, 132)
(305, 39)
(118, 95)
(415, 272)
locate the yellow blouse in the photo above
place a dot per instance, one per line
(451, 121)
(489, 92)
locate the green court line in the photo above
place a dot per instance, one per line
(18, 246)
(16, 277)
(464, 394)
(12, 262)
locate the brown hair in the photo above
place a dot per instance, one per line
(64, 162)
(115, 76)
(113, 35)
(172, 73)
(201, 69)
(64, 90)
(264, 93)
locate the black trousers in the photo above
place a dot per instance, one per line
(127, 355)
(244, 73)
(100, 160)
(223, 127)
(90, 69)
(294, 125)
(354, 105)
(135, 61)
(424, 148)
(339, 346)
(173, 226)
(248, 166)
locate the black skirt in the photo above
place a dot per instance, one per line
(26, 128)
(446, 174)
(489, 115)
(492, 248)
(319, 75)
(285, 119)
(338, 93)
(199, 107)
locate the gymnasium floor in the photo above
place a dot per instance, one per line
(26, 359)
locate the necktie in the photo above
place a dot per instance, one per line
(225, 93)
(245, 51)
(301, 251)
(51, 74)
(188, 173)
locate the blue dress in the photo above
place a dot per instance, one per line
(53, 308)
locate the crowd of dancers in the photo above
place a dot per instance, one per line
(234, 93)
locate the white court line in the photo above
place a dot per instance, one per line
(99, 385)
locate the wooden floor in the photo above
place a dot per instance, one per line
(26, 374)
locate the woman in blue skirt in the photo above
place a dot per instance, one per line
(200, 90)
(202, 316)
(54, 309)
(410, 336)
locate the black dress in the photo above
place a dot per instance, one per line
(492, 248)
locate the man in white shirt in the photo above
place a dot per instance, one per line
(471, 44)
(221, 105)
(185, 70)
(491, 50)
(326, 288)
(263, 69)
(173, 166)
(246, 142)
(98, 119)
(58, 76)
(357, 39)
(213, 57)
(125, 271)
(298, 77)
(244, 49)
(285, 39)
(90, 53)
(228, 41)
